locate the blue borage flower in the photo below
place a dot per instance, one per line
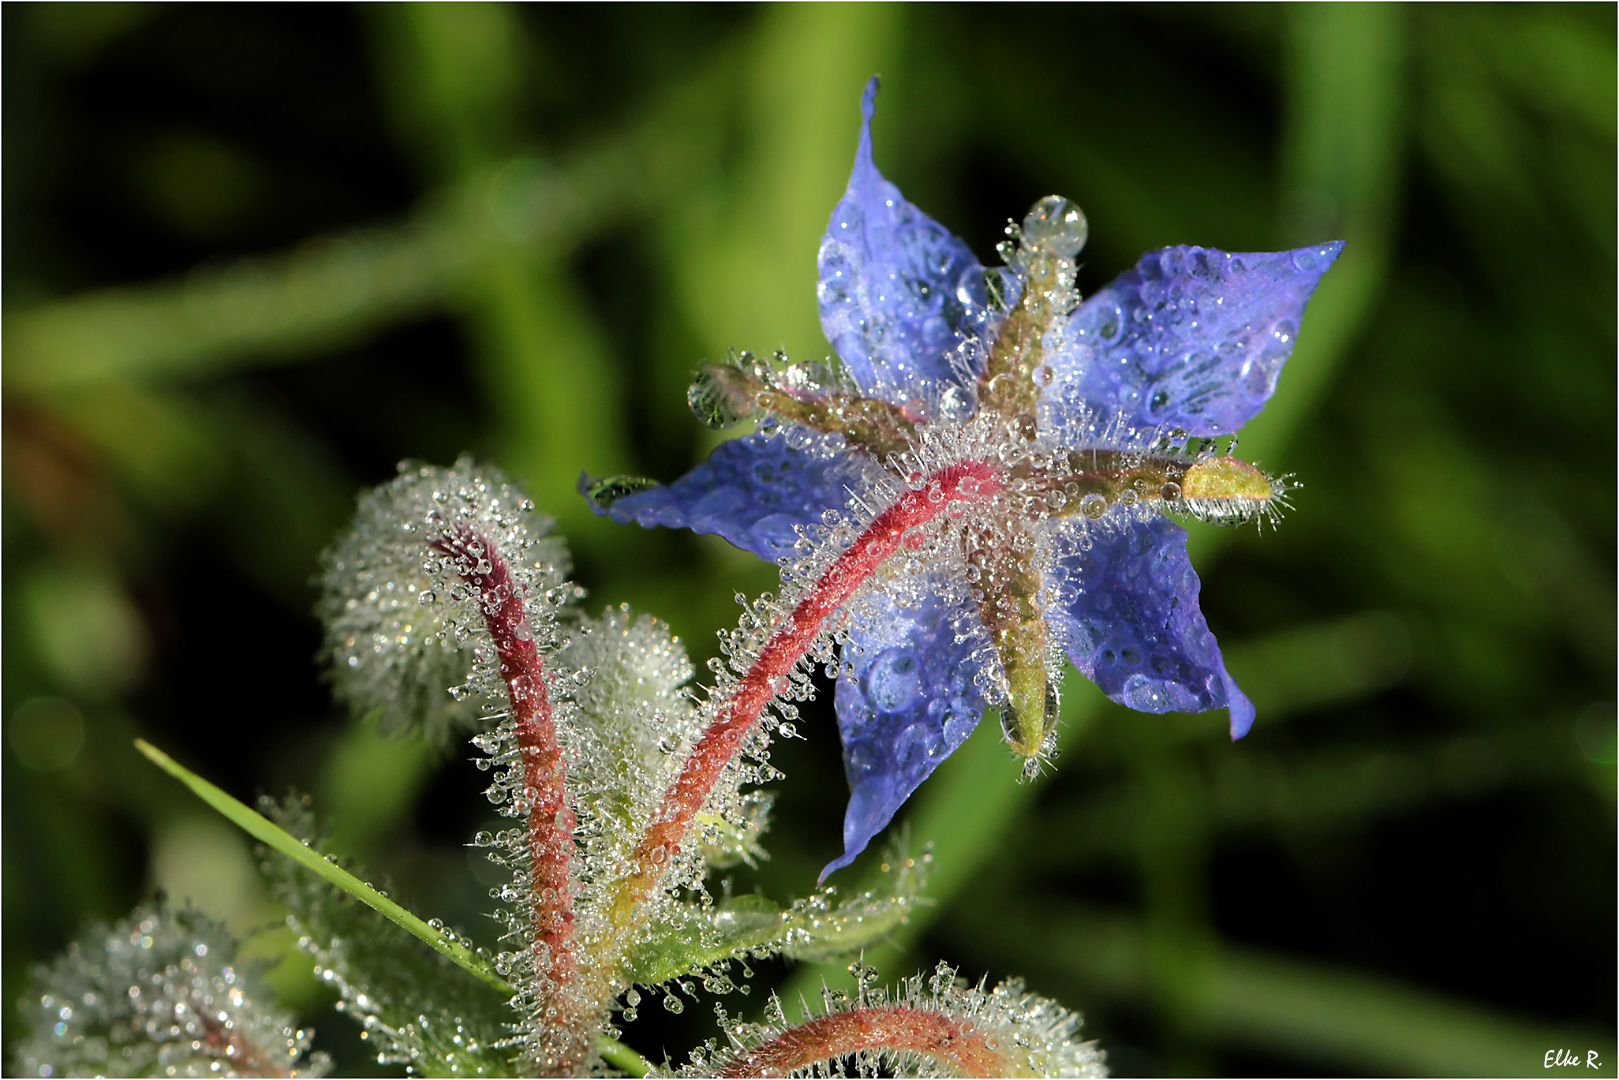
(1103, 415)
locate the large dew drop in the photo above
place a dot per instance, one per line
(895, 680)
(1057, 225)
(717, 403)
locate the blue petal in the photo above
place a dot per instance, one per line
(900, 296)
(1127, 614)
(911, 701)
(754, 491)
(1191, 338)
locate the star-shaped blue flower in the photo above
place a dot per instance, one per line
(1100, 412)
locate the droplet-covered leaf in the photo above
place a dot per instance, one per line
(416, 1007)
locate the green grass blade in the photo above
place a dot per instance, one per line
(264, 830)
(622, 1057)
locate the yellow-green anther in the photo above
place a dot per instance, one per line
(1088, 483)
(1030, 711)
(1011, 611)
(1226, 478)
(1228, 491)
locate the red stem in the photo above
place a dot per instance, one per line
(935, 1034)
(550, 818)
(248, 1059)
(738, 713)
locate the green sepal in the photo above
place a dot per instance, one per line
(621, 1057)
(608, 490)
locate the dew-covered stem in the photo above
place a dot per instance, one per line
(231, 1046)
(736, 715)
(953, 1042)
(550, 816)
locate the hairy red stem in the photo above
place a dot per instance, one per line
(921, 1031)
(738, 713)
(248, 1059)
(545, 771)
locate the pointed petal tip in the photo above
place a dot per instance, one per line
(838, 864)
(1242, 710)
(868, 813)
(865, 169)
(896, 343)
(1317, 257)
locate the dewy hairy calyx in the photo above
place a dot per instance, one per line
(627, 789)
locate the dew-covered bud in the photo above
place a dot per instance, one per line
(402, 624)
(933, 1026)
(160, 994)
(633, 725)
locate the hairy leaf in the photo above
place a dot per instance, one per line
(816, 928)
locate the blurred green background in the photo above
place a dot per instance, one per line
(256, 255)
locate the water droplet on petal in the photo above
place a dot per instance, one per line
(894, 680)
(716, 402)
(955, 403)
